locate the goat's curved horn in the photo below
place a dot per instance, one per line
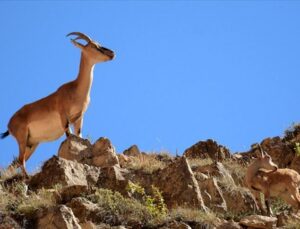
(80, 36)
(263, 153)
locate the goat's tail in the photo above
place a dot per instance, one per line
(4, 135)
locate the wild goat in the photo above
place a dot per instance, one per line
(49, 118)
(264, 176)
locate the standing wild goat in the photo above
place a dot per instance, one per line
(49, 118)
(264, 176)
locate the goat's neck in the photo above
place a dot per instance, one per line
(251, 171)
(85, 76)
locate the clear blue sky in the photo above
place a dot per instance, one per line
(185, 70)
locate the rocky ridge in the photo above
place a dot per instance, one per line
(91, 186)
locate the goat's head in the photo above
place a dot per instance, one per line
(264, 161)
(92, 50)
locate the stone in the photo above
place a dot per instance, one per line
(6, 222)
(65, 172)
(176, 225)
(113, 178)
(76, 149)
(179, 185)
(259, 221)
(132, 151)
(104, 154)
(207, 149)
(72, 191)
(83, 209)
(57, 217)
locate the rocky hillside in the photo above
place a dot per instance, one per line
(91, 186)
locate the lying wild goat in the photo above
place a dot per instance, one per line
(264, 176)
(49, 118)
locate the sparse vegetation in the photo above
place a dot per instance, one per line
(123, 210)
(148, 163)
(197, 162)
(153, 202)
(297, 148)
(194, 215)
(237, 170)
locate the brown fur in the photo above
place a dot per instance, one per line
(263, 177)
(49, 118)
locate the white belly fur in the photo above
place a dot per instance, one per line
(46, 128)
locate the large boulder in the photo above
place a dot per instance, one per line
(132, 151)
(259, 221)
(76, 149)
(113, 178)
(179, 185)
(57, 217)
(65, 172)
(104, 153)
(207, 149)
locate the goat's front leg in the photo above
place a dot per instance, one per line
(258, 201)
(267, 202)
(78, 126)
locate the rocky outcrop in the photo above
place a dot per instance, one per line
(179, 185)
(132, 151)
(102, 153)
(259, 221)
(207, 149)
(65, 172)
(57, 217)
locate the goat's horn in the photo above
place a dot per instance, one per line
(261, 150)
(80, 36)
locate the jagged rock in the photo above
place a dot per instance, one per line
(76, 149)
(72, 191)
(207, 149)
(65, 172)
(83, 209)
(179, 185)
(113, 178)
(6, 222)
(104, 154)
(212, 194)
(259, 221)
(123, 160)
(57, 217)
(132, 151)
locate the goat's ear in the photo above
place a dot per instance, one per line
(77, 44)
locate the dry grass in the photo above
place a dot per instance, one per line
(148, 163)
(236, 170)
(197, 162)
(194, 215)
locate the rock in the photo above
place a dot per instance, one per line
(76, 149)
(84, 210)
(57, 217)
(61, 171)
(229, 225)
(123, 160)
(259, 221)
(179, 185)
(176, 225)
(207, 149)
(296, 164)
(113, 178)
(88, 225)
(104, 154)
(6, 222)
(72, 191)
(212, 195)
(132, 151)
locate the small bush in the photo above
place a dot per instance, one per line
(119, 209)
(154, 202)
(194, 215)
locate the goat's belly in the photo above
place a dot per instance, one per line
(46, 128)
